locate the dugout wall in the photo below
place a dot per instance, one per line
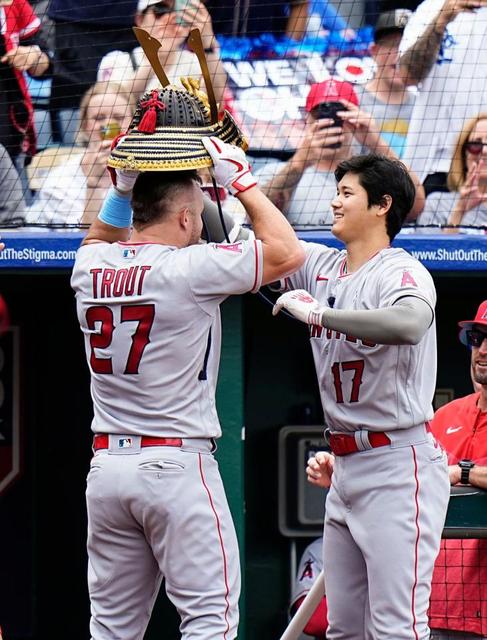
(267, 381)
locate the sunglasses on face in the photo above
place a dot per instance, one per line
(475, 337)
(474, 147)
(159, 10)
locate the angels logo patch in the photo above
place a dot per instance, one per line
(307, 571)
(407, 279)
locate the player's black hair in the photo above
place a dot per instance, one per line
(154, 192)
(380, 176)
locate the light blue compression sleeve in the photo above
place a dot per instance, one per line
(116, 210)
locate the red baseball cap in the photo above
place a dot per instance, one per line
(330, 91)
(467, 325)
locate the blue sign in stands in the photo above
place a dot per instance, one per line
(439, 252)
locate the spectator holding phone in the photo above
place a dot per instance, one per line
(336, 128)
(170, 22)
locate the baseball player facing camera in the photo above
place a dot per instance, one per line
(370, 311)
(148, 305)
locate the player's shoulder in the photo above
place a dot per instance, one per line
(395, 257)
(222, 249)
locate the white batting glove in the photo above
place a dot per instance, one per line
(123, 179)
(231, 167)
(301, 304)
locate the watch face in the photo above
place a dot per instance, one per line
(467, 464)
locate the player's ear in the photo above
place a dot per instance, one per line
(183, 218)
(385, 205)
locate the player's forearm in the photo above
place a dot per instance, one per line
(283, 253)
(418, 60)
(405, 322)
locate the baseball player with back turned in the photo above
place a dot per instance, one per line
(370, 310)
(149, 310)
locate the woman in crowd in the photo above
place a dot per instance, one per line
(464, 207)
(73, 190)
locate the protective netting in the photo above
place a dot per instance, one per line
(419, 81)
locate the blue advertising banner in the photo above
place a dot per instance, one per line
(56, 250)
(438, 252)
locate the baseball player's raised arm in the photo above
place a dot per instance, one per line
(115, 218)
(282, 250)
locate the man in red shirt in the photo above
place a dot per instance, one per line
(459, 588)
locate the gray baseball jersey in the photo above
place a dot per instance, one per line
(150, 317)
(151, 321)
(386, 506)
(365, 385)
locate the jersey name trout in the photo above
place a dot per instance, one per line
(115, 283)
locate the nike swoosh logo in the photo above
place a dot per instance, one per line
(453, 429)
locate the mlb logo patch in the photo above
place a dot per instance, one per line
(125, 443)
(129, 252)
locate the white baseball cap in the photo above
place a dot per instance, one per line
(145, 4)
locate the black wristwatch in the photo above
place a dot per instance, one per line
(465, 466)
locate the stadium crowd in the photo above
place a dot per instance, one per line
(420, 97)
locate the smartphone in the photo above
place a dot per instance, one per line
(329, 110)
(110, 131)
(179, 7)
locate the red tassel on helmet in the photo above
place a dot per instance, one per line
(149, 119)
(148, 122)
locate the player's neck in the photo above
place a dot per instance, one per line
(160, 234)
(362, 250)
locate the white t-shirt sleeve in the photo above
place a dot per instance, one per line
(418, 23)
